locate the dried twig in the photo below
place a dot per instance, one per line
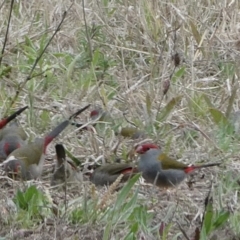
(6, 34)
(30, 75)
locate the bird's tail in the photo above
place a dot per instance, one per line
(61, 154)
(79, 111)
(57, 130)
(194, 167)
(6, 120)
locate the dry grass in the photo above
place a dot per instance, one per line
(131, 46)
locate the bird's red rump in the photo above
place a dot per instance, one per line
(47, 140)
(189, 169)
(3, 122)
(127, 170)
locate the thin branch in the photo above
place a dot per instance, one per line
(208, 200)
(6, 35)
(86, 28)
(130, 122)
(65, 183)
(30, 76)
(2, 4)
(183, 231)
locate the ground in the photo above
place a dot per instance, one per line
(169, 68)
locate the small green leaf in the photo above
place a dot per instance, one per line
(71, 67)
(72, 157)
(125, 191)
(134, 227)
(208, 217)
(168, 108)
(207, 100)
(218, 117)
(130, 236)
(103, 94)
(203, 234)
(221, 219)
(178, 74)
(96, 57)
(29, 42)
(31, 200)
(45, 116)
(5, 71)
(148, 104)
(165, 231)
(19, 200)
(231, 101)
(30, 192)
(195, 32)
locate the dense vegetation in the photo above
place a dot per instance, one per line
(170, 68)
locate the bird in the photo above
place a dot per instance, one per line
(108, 173)
(8, 119)
(159, 169)
(96, 114)
(12, 136)
(65, 171)
(27, 161)
(127, 132)
(131, 132)
(99, 115)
